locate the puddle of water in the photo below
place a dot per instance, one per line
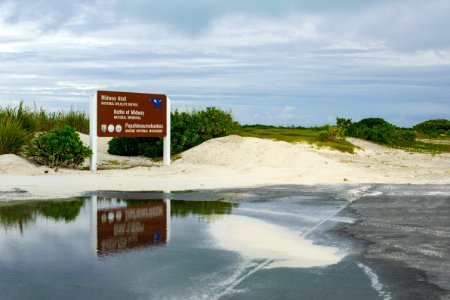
(107, 248)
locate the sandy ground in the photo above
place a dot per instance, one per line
(226, 162)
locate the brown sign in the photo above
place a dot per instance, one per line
(123, 114)
(124, 228)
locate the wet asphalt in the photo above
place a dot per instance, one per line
(406, 232)
(402, 232)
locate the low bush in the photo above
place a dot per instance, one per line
(59, 147)
(434, 128)
(332, 134)
(343, 124)
(150, 147)
(380, 131)
(187, 130)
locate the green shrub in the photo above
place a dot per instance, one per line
(59, 147)
(404, 137)
(150, 147)
(343, 124)
(19, 125)
(187, 130)
(332, 134)
(380, 131)
(125, 146)
(434, 128)
(373, 122)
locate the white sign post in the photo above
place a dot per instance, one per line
(94, 133)
(166, 139)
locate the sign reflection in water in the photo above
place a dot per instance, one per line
(117, 229)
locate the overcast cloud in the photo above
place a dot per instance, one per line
(275, 62)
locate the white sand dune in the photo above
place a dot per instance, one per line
(227, 162)
(239, 152)
(14, 164)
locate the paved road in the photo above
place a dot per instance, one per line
(407, 234)
(403, 231)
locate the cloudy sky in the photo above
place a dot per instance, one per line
(281, 62)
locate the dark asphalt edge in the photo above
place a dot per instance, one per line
(410, 282)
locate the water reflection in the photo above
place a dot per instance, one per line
(167, 249)
(21, 214)
(121, 228)
(116, 225)
(201, 208)
(121, 225)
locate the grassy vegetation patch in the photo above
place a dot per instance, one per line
(173, 158)
(429, 147)
(19, 125)
(17, 128)
(381, 132)
(434, 128)
(76, 119)
(294, 135)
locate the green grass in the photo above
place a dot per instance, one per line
(75, 118)
(425, 143)
(18, 125)
(311, 136)
(173, 158)
(37, 119)
(429, 147)
(12, 135)
(293, 135)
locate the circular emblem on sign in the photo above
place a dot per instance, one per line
(111, 128)
(118, 128)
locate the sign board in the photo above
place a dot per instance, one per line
(124, 114)
(124, 228)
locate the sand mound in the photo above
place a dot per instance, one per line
(13, 164)
(247, 152)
